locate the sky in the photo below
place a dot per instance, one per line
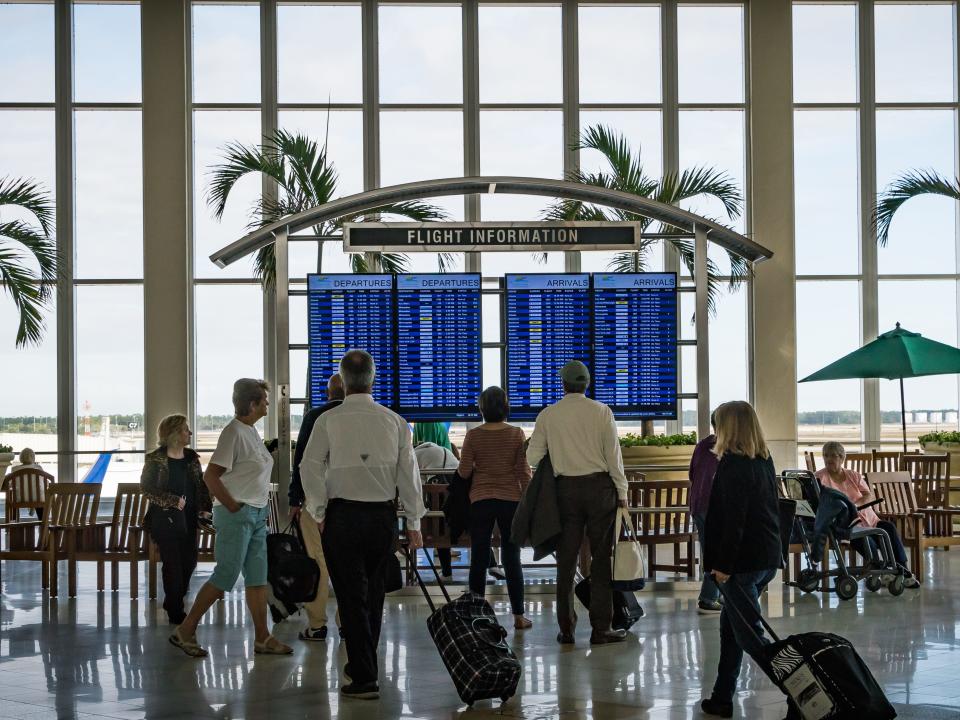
(520, 63)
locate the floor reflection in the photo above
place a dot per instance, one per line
(103, 655)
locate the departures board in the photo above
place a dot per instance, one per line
(635, 344)
(547, 323)
(438, 348)
(347, 311)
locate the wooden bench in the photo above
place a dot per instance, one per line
(900, 507)
(70, 519)
(661, 516)
(930, 474)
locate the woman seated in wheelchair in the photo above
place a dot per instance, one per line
(852, 484)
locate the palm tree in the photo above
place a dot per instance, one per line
(627, 174)
(22, 242)
(909, 185)
(305, 178)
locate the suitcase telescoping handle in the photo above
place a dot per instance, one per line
(412, 564)
(733, 608)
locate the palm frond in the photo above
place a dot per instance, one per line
(20, 283)
(240, 160)
(389, 262)
(40, 246)
(674, 188)
(446, 262)
(30, 196)
(628, 262)
(909, 185)
(626, 166)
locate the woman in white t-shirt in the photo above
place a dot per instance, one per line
(238, 476)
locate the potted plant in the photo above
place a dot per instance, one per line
(6, 458)
(666, 450)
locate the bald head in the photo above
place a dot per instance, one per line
(335, 387)
(357, 369)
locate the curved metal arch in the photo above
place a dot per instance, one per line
(372, 199)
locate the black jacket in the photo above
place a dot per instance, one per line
(295, 493)
(536, 521)
(456, 508)
(743, 519)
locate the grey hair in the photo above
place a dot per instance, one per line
(358, 369)
(246, 392)
(834, 448)
(27, 456)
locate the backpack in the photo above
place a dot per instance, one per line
(293, 575)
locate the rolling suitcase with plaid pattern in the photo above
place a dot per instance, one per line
(472, 644)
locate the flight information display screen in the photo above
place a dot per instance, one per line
(635, 344)
(547, 323)
(439, 346)
(348, 311)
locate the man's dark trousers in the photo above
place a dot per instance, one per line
(587, 503)
(358, 537)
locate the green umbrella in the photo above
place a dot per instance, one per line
(895, 355)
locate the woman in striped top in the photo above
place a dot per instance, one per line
(493, 455)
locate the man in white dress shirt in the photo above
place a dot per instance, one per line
(360, 455)
(580, 435)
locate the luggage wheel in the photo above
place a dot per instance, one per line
(808, 581)
(873, 583)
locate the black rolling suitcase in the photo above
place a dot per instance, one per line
(626, 608)
(821, 672)
(472, 644)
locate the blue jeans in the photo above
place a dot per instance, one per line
(709, 592)
(735, 637)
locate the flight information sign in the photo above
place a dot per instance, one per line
(547, 323)
(438, 346)
(635, 344)
(348, 311)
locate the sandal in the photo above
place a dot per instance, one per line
(272, 646)
(189, 645)
(521, 623)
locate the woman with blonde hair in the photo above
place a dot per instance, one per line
(172, 481)
(743, 540)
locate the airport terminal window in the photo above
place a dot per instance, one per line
(420, 54)
(228, 346)
(710, 50)
(826, 187)
(918, 139)
(26, 56)
(212, 130)
(929, 308)
(108, 194)
(520, 54)
(106, 52)
(226, 56)
(915, 52)
(319, 72)
(110, 382)
(27, 146)
(825, 53)
(828, 327)
(619, 54)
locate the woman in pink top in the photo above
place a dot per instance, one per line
(852, 484)
(493, 455)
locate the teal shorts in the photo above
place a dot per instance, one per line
(240, 546)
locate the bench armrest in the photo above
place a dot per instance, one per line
(21, 524)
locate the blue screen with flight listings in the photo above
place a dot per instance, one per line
(547, 323)
(438, 346)
(348, 311)
(635, 344)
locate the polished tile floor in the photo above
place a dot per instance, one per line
(103, 655)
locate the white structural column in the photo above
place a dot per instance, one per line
(273, 344)
(167, 306)
(571, 104)
(772, 222)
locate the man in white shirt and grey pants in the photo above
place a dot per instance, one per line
(580, 435)
(359, 456)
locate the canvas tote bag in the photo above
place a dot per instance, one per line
(629, 569)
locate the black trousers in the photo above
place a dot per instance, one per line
(357, 539)
(484, 514)
(177, 542)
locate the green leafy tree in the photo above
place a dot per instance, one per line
(305, 178)
(625, 172)
(911, 184)
(24, 244)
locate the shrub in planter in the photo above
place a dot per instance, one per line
(666, 450)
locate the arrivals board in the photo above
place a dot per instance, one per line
(438, 346)
(635, 344)
(351, 311)
(547, 323)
